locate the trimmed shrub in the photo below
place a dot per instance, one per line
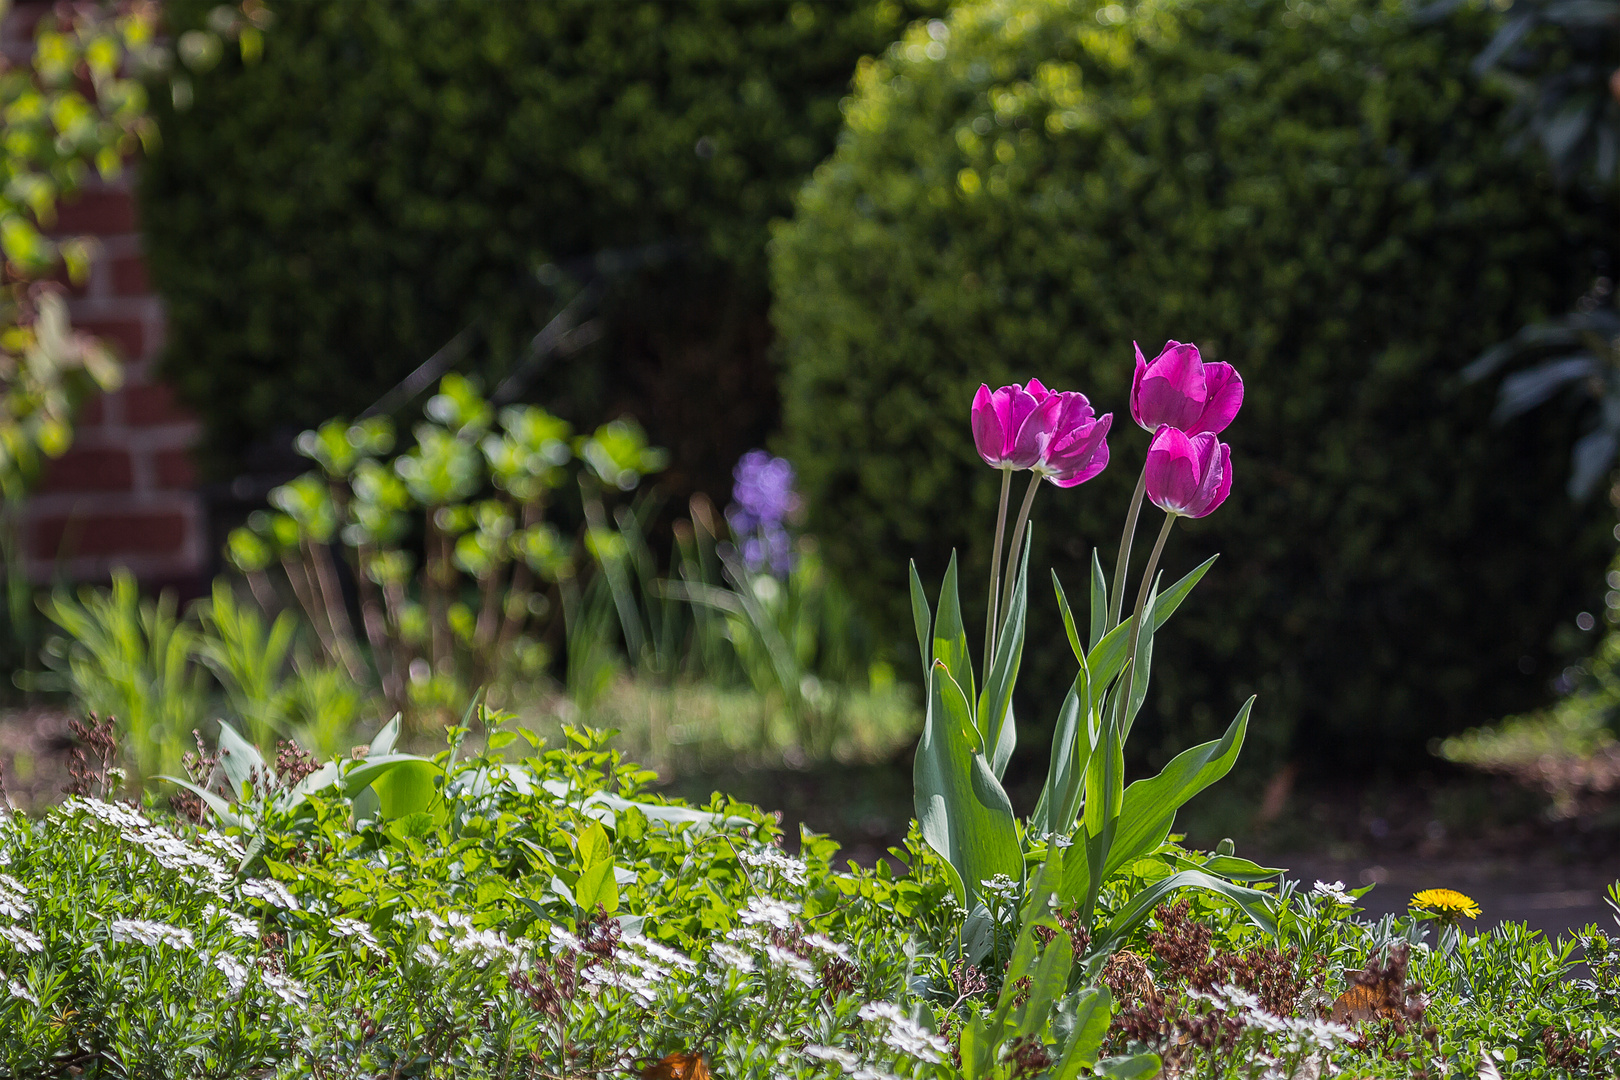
(321, 221)
(1316, 192)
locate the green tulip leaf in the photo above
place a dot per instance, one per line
(964, 814)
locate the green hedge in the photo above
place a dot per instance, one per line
(1314, 191)
(320, 221)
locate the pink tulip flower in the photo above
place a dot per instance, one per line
(1013, 426)
(1179, 390)
(1188, 477)
(1079, 447)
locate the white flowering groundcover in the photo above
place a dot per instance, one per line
(452, 942)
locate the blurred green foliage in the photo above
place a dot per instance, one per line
(321, 221)
(1317, 192)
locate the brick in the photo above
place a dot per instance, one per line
(96, 213)
(151, 404)
(175, 470)
(128, 336)
(89, 470)
(129, 276)
(107, 534)
(93, 413)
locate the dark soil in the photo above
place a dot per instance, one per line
(1479, 835)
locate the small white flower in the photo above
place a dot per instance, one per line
(873, 1074)
(835, 1054)
(271, 892)
(21, 993)
(793, 870)
(13, 904)
(151, 934)
(663, 954)
(486, 944)
(1237, 999)
(732, 957)
(823, 943)
(795, 965)
(117, 815)
(286, 988)
(239, 925)
(24, 941)
(235, 972)
(224, 844)
(354, 928)
(1001, 886)
(428, 955)
(11, 884)
(769, 912)
(564, 940)
(1334, 892)
(901, 1034)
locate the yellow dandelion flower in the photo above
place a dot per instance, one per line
(1447, 905)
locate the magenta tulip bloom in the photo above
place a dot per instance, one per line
(1188, 477)
(1013, 426)
(1079, 447)
(1179, 390)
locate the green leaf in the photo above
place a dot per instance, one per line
(964, 814)
(922, 618)
(1134, 1067)
(241, 760)
(1050, 976)
(1148, 809)
(1141, 665)
(403, 783)
(976, 1049)
(1073, 738)
(995, 706)
(1086, 1015)
(1068, 620)
(500, 740)
(382, 744)
(597, 886)
(950, 636)
(1255, 904)
(1230, 867)
(1099, 599)
(222, 809)
(594, 845)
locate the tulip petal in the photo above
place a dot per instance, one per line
(1171, 472)
(1217, 481)
(1031, 427)
(1136, 387)
(1225, 397)
(1074, 443)
(1036, 390)
(989, 436)
(1094, 459)
(1171, 390)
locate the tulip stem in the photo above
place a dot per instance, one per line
(995, 569)
(1122, 563)
(1142, 595)
(1013, 551)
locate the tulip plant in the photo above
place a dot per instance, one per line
(969, 731)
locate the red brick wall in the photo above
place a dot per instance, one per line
(125, 494)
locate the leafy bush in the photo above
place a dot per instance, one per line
(321, 221)
(1317, 194)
